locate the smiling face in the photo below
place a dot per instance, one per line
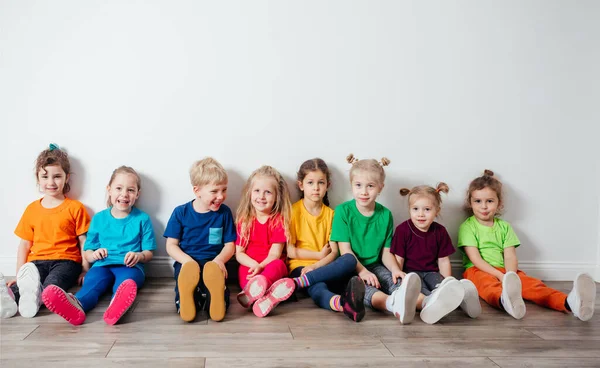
(485, 204)
(52, 180)
(314, 185)
(263, 194)
(423, 211)
(210, 197)
(123, 192)
(365, 189)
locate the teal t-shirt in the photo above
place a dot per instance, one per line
(133, 233)
(490, 241)
(366, 235)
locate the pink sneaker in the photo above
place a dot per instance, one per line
(64, 304)
(121, 302)
(280, 290)
(254, 289)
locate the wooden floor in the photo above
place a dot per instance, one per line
(298, 334)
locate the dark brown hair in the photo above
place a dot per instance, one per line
(53, 156)
(487, 180)
(316, 164)
(426, 190)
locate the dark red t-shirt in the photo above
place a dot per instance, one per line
(421, 250)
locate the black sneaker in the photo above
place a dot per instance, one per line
(352, 300)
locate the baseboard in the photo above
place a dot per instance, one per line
(549, 271)
(162, 266)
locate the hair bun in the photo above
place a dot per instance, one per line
(351, 159)
(385, 161)
(404, 192)
(487, 172)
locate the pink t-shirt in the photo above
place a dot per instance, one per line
(262, 236)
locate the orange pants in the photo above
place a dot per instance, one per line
(534, 290)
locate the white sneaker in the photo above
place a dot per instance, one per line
(28, 281)
(443, 300)
(8, 306)
(404, 299)
(512, 298)
(470, 303)
(583, 296)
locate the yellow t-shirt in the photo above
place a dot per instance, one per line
(54, 231)
(309, 232)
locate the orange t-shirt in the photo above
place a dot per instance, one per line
(54, 231)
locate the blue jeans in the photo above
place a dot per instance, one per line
(99, 279)
(332, 276)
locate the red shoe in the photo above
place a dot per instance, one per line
(121, 302)
(64, 304)
(280, 290)
(254, 289)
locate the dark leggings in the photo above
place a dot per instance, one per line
(62, 273)
(332, 276)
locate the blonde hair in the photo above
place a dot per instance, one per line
(426, 190)
(371, 166)
(282, 208)
(487, 180)
(124, 170)
(207, 171)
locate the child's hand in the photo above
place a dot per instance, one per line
(132, 258)
(397, 276)
(369, 278)
(11, 283)
(81, 277)
(325, 251)
(100, 253)
(221, 266)
(307, 269)
(253, 271)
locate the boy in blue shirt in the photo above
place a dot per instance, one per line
(200, 238)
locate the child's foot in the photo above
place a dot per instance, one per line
(30, 288)
(215, 283)
(404, 299)
(583, 296)
(470, 303)
(254, 289)
(278, 292)
(8, 306)
(512, 298)
(187, 281)
(443, 300)
(121, 302)
(352, 300)
(64, 304)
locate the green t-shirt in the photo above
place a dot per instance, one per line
(490, 241)
(366, 235)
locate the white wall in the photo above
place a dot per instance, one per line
(444, 89)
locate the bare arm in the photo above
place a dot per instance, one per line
(328, 258)
(445, 266)
(390, 261)
(299, 253)
(367, 276)
(243, 258)
(175, 252)
(22, 252)
(511, 263)
(274, 253)
(226, 253)
(475, 257)
(84, 263)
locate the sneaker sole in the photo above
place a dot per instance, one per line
(8, 306)
(585, 291)
(412, 284)
(513, 295)
(280, 290)
(446, 298)
(470, 304)
(354, 296)
(254, 290)
(56, 301)
(28, 281)
(215, 283)
(187, 281)
(122, 301)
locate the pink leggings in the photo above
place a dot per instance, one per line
(274, 271)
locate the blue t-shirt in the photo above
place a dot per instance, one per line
(201, 235)
(119, 236)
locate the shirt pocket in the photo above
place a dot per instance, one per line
(215, 235)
